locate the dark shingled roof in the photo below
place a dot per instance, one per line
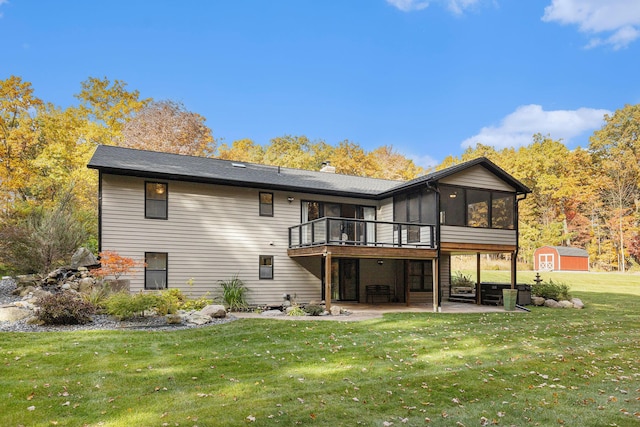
(151, 164)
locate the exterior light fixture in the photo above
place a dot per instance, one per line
(380, 262)
(290, 199)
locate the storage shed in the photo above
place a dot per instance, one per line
(560, 258)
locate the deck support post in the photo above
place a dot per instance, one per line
(407, 291)
(436, 284)
(514, 267)
(327, 281)
(478, 280)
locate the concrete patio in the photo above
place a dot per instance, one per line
(358, 312)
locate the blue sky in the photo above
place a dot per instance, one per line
(429, 77)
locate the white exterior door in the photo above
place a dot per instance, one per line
(545, 262)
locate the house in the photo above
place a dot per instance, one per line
(308, 235)
(560, 258)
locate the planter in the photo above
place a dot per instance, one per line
(509, 298)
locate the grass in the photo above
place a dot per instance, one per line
(547, 367)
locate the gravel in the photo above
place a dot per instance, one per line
(100, 321)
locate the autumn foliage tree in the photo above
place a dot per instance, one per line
(114, 264)
(169, 127)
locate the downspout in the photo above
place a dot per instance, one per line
(99, 211)
(438, 280)
(514, 261)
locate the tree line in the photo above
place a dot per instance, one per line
(48, 198)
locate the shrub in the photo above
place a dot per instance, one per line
(233, 293)
(64, 309)
(124, 305)
(98, 296)
(314, 310)
(551, 290)
(196, 304)
(296, 311)
(170, 301)
(460, 279)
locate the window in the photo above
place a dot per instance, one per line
(155, 271)
(420, 276)
(266, 204)
(502, 213)
(266, 267)
(477, 208)
(155, 199)
(452, 206)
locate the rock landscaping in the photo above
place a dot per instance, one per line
(19, 299)
(551, 303)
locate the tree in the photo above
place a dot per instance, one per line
(107, 107)
(242, 150)
(296, 152)
(389, 164)
(350, 159)
(41, 238)
(19, 143)
(616, 152)
(167, 126)
(62, 160)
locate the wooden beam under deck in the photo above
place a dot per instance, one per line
(354, 251)
(476, 247)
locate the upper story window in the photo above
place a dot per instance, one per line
(477, 208)
(266, 204)
(155, 200)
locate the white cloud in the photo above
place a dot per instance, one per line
(424, 161)
(459, 6)
(617, 20)
(517, 128)
(409, 5)
(456, 6)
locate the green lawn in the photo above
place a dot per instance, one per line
(547, 367)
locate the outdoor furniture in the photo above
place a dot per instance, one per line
(491, 293)
(378, 290)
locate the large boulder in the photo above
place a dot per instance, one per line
(272, 313)
(565, 304)
(577, 303)
(83, 257)
(197, 318)
(552, 303)
(215, 311)
(537, 301)
(13, 314)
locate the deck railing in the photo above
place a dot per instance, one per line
(347, 231)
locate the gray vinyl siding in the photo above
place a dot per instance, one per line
(455, 234)
(477, 177)
(445, 274)
(385, 213)
(212, 233)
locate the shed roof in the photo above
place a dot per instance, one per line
(152, 164)
(569, 251)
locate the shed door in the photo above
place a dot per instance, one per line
(545, 262)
